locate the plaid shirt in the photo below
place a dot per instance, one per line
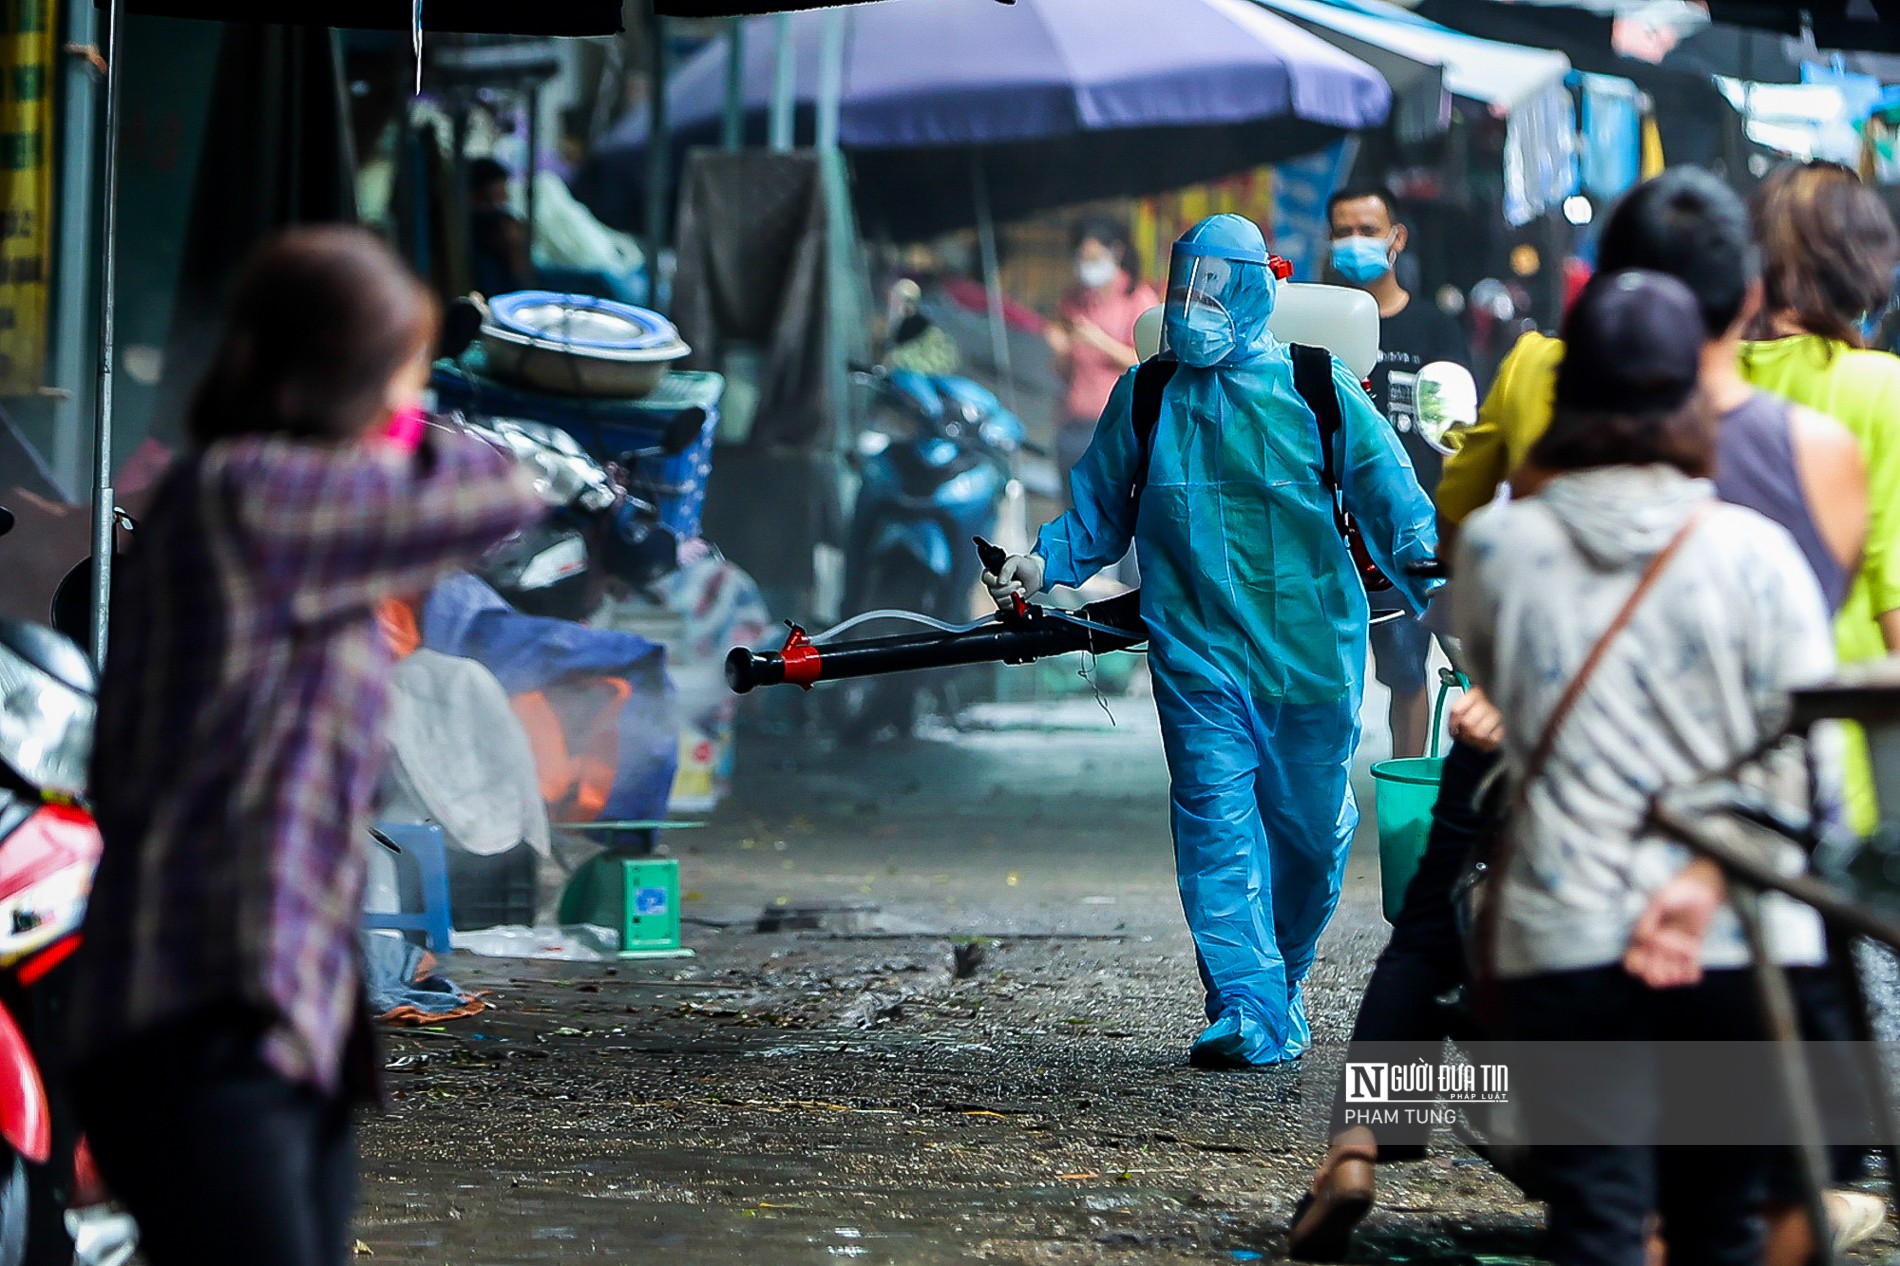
(240, 736)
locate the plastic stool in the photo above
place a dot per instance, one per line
(424, 844)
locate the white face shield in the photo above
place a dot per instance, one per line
(1220, 293)
(1198, 312)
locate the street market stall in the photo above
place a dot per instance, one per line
(1523, 86)
(568, 17)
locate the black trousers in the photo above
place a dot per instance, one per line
(222, 1161)
(1601, 1194)
(1425, 957)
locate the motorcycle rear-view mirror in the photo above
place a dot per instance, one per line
(683, 431)
(1446, 399)
(461, 326)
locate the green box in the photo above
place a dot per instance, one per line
(637, 896)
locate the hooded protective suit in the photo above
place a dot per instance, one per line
(1256, 621)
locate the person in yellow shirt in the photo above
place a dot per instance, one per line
(1513, 418)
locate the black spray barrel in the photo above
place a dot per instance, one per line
(802, 663)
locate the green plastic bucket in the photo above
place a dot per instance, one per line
(1404, 792)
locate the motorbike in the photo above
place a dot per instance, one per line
(604, 524)
(49, 848)
(934, 465)
(605, 521)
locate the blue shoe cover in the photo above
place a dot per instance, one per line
(1236, 1040)
(1299, 1034)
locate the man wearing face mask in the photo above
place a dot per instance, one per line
(1256, 620)
(1413, 333)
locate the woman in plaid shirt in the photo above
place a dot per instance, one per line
(219, 1026)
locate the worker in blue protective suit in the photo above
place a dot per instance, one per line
(1256, 623)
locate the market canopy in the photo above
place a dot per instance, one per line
(1421, 106)
(738, 8)
(1694, 122)
(1502, 76)
(471, 17)
(1523, 86)
(1064, 101)
(1869, 25)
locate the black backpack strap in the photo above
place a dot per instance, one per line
(1313, 379)
(1151, 379)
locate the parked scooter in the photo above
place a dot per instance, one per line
(49, 848)
(935, 463)
(605, 521)
(605, 524)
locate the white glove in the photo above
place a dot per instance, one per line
(1021, 574)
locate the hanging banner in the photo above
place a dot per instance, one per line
(1301, 188)
(27, 31)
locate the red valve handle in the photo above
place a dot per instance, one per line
(802, 664)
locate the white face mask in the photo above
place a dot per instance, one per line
(1096, 272)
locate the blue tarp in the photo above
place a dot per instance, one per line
(464, 617)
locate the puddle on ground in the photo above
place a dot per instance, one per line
(714, 1209)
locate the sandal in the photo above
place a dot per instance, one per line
(1323, 1223)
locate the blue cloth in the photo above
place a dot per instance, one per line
(1612, 135)
(392, 977)
(464, 617)
(1257, 634)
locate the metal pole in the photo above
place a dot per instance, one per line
(460, 216)
(784, 83)
(104, 526)
(534, 160)
(992, 278)
(1791, 1066)
(830, 78)
(732, 133)
(659, 156)
(1848, 966)
(72, 276)
(1682, 825)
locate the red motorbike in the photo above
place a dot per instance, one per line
(49, 848)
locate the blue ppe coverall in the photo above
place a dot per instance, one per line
(1256, 621)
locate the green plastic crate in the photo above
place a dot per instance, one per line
(639, 897)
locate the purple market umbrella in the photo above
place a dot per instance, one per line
(1063, 101)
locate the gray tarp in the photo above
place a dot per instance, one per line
(752, 271)
(461, 758)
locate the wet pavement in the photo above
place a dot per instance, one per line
(978, 1056)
